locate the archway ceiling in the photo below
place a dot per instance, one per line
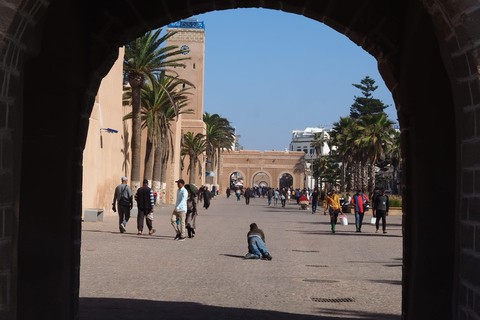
(372, 24)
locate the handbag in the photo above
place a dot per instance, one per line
(343, 219)
(373, 220)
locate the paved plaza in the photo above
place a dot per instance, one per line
(130, 276)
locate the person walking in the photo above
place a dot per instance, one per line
(124, 199)
(207, 196)
(145, 204)
(270, 195)
(360, 201)
(192, 212)
(228, 193)
(283, 197)
(247, 195)
(332, 202)
(276, 195)
(380, 210)
(256, 244)
(180, 211)
(314, 199)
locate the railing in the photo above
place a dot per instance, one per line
(183, 24)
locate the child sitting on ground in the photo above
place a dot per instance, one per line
(256, 244)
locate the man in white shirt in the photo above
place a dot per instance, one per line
(180, 211)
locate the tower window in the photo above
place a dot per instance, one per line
(183, 86)
(194, 66)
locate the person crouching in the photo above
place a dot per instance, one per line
(256, 244)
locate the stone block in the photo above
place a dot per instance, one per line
(469, 266)
(93, 215)
(467, 181)
(474, 209)
(475, 92)
(470, 155)
(467, 233)
(468, 124)
(476, 182)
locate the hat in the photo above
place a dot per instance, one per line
(124, 178)
(333, 189)
(180, 181)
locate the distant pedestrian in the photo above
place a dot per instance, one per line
(228, 193)
(256, 244)
(247, 195)
(238, 193)
(314, 199)
(283, 197)
(276, 196)
(289, 194)
(192, 212)
(360, 201)
(332, 202)
(124, 198)
(270, 195)
(180, 211)
(207, 196)
(145, 204)
(380, 210)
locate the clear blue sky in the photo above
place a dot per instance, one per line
(270, 72)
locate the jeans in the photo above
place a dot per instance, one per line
(123, 214)
(314, 206)
(381, 214)
(269, 200)
(256, 247)
(359, 219)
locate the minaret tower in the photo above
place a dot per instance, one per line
(190, 36)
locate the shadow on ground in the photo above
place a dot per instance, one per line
(112, 308)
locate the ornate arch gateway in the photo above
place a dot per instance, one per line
(427, 53)
(252, 163)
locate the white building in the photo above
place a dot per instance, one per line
(302, 139)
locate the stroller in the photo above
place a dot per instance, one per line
(303, 202)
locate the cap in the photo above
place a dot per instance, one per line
(333, 189)
(181, 181)
(124, 178)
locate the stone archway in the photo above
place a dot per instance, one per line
(232, 172)
(268, 181)
(426, 52)
(290, 174)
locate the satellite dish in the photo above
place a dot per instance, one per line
(212, 173)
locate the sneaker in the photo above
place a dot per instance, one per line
(268, 257)
(384, 231)
(177, 236)
(181, 239)
(122, 228)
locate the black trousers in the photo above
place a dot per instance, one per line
(283, 202)
(381, 214)
(142, 215)
(334, 216)
(247, 200)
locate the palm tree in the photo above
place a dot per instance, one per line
(157, 111)
(375, 137)
(193, 146)
(219, 135)
(395, 153)
(145, 57)
(343, 136)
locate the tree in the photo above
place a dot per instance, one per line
(367, 104)
(161, 102)
(193, 146)
(395, 154)
(145, 57)
(219, 135)
(375, 138)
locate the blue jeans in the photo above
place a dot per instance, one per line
(256, 247)
(314, 206)
(359, 220)
(269, 200)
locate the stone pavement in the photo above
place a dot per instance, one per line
(127, 276)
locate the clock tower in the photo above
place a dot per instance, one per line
(190, 36)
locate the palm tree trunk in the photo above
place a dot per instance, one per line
(193, 168)
(342, 178)
(148, 170)
(157, 169)
(136, 138)
(371, 182)
(394, 180)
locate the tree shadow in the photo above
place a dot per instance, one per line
(115, 308)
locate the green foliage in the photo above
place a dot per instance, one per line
(395, 201)
(366, 105)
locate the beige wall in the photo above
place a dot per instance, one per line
(104, 159)
(273, 163)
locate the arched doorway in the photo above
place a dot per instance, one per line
(236, 180)
(286, 181)
(262, 179)
(428, 63)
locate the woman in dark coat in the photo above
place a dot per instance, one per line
(191, 212)
(206, 198)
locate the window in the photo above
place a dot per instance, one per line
(194, 66)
